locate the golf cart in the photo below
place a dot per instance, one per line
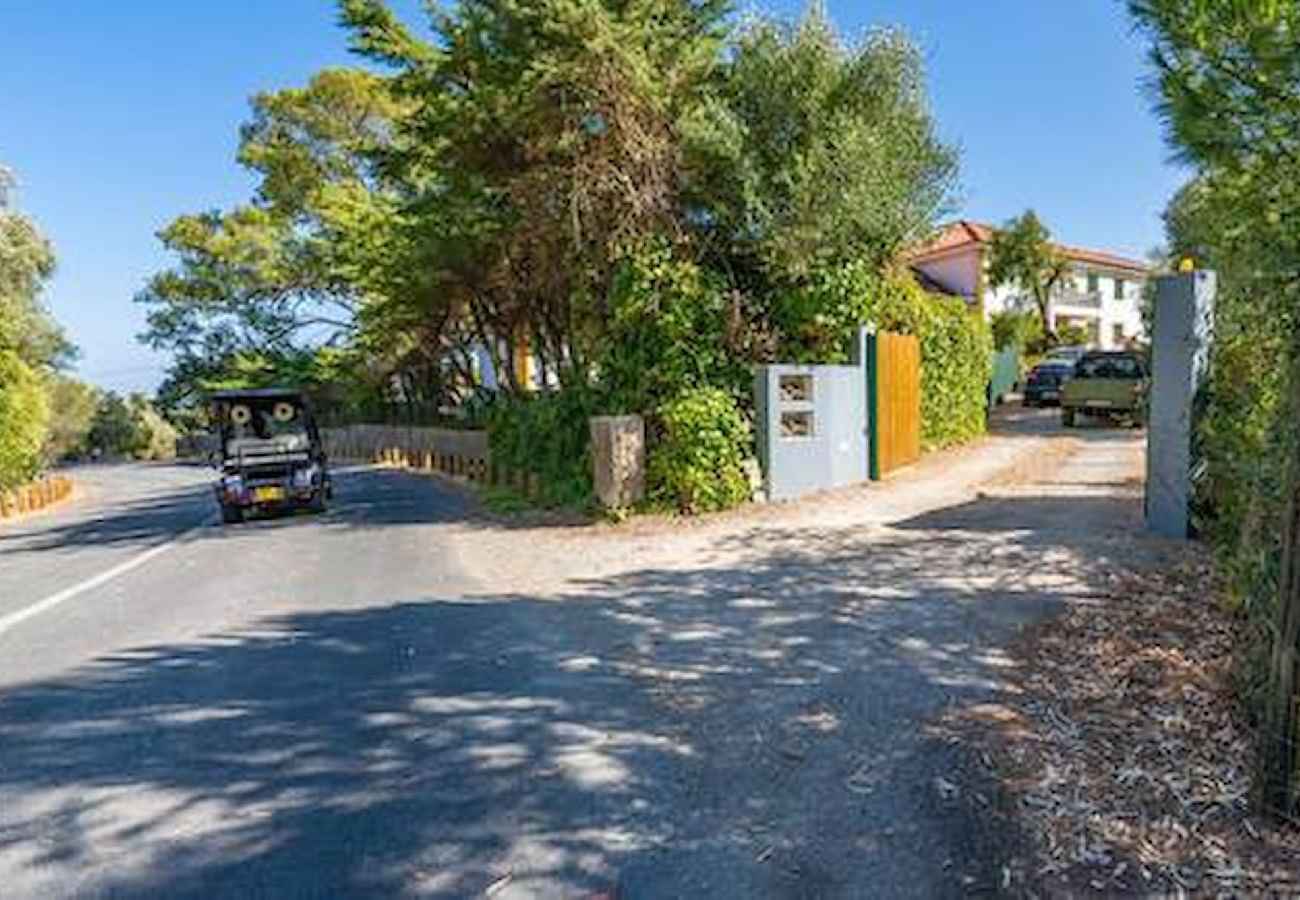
(269, 453)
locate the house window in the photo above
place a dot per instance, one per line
(1094, 283)
(1117, 334)
(1119, 288)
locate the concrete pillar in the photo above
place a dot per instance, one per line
(1180, 352)
(618, 459)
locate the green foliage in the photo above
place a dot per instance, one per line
(1019, 329)
(32, 346)
(697, 459)
(669, 330)
(546, 435)
(956, 365)
(131, 428)
(1241, 216)
(956, 356)
(816, 318)
(1022, 256)
(543, 139)
(73, 405)
(829, 155)
(1229, 80)
(1073, 336)
(24, 414)
(308, 262)
(26, 263)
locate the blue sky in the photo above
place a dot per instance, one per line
(120, 116)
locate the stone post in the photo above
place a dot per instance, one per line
(618, 459)
(1180, 347)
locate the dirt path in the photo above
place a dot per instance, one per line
(796, 654)
(1027, 456)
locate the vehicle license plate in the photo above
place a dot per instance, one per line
(268, 494)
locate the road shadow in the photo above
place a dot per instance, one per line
(364, 498)
(137, 522)
(751, 729)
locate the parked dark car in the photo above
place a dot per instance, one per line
(1043, 386)
(269, 452)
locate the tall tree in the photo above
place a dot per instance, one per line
(301, 265)
(1228, 85)
(827, 153)
(32, 346)
(1023, 257)
(26, 263)
(544, 141)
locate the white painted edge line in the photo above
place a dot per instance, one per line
(14, 619)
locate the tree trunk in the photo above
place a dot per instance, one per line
(1044, 301)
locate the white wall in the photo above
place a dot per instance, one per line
(959, 273)
(1109, 312)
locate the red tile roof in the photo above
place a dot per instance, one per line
(964, 233)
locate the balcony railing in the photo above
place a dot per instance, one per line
(1078, 299)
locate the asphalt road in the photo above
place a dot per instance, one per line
(330, 707)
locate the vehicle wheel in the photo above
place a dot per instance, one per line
(317, 502)
(1067, 418)
(231, 515)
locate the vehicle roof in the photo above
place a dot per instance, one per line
(256, 394)
(1096, 354)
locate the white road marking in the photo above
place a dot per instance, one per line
(17, 618)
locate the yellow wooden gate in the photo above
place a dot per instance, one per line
(894, 394)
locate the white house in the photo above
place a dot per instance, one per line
(1102, 294)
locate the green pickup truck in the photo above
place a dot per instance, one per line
(1113, 385)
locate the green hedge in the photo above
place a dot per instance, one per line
(24, 415)
(546, 435)
(697, 456)
(956, 365)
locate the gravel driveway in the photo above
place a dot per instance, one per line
(753, 692)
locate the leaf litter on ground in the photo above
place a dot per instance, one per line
(1124, 750)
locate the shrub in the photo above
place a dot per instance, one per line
(1073, 336)
(24, 414)
(697, 459)
(545, 435)
(818, 317)
(156, 436)
(131, 428)
(72, 413)
(956, 366)
(1020, 329)
(667, 332)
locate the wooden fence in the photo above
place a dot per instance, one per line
(37, 495)
(894, 401)
(444, 451)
